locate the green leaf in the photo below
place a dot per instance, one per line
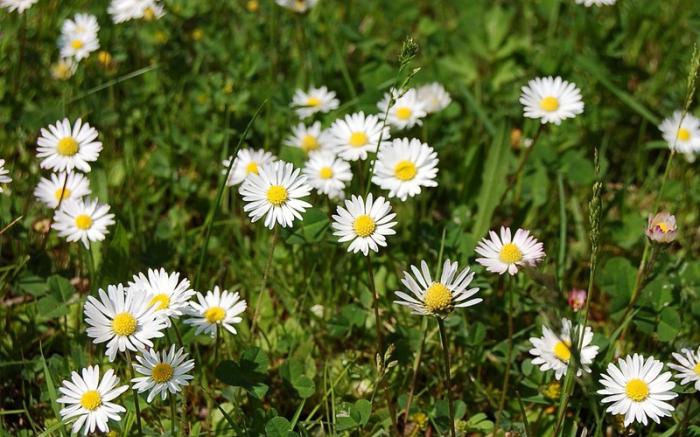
(60, 288)
(360, 411)
(617, 279)
(248, 372)
(278, 427)
(669, 325)
(293, 373)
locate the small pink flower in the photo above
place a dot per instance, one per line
(577, 299)
(662, 228)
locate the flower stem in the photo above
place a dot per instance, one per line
(416, 366)
(375, 299)
(268, 264)
(172, 414)
(509, 354)
(130, 372)
(448, 379)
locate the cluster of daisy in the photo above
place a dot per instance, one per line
(129, 319)
(78, 39)
(125, 10)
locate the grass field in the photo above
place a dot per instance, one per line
(321, 347)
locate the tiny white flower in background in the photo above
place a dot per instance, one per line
(125, 10)
(506, 253)
(553, 352)
(551, 99)
(688, 366)
(84, 221)
(327, 173)
(123, 318)
(88, 400)
(637, 389)
(4, 178)
(79, 36)
(166, 292)
(308, 138)
(248, 161)
(17, 5)
(216, 308)
(407, 110)
(589, 3)
(439, 298)
(297, 5)
(308, 103)
(356, 135)
(64, 148)
(62, 185)
(365, 223)
(164, 372)
(682, 134)
(403, 166)
(275, 193)
(434, 97)
(64, 68)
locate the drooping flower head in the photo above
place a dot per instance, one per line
(637, 389)
(216, 308)
(506, 253)
(551, 99)
(365, 223)
(576, 299)
(403, 166)
(429, 297)
(163, 372)
(553, 352)
(662, 228)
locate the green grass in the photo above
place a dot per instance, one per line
(178, 99)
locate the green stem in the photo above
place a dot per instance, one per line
(448, 379)
(268, 265)
(172, 414)
(375, 300)
(509, 353)
(414, 378)
(130, 372)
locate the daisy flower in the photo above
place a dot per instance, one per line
(166, 292)
(434, 97)
(217, 308)
(551, 99)
(123, 318)
(163, 372)
(297, 5)
(688, 366)
(662, 228)
(308, 138)
(406, 111)
(17, 5)
(589, 3)
(403, 166)
(354, 136)
(307, 103)
(84, 221)
(506, 254)
(327, 173)
(64, 69)
(681, 133)
(553, 352)
(275, 193)
(64, 148)
(88, 399)
(247, 161)
(437, 297)
(79, 37)
(365, 223)
(61, 186)
(125, 10)
(4, 178)
(637, 389)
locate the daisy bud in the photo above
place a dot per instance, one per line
(577, 299)
(662, 228)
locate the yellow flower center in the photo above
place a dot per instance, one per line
(162, 372)
(696, 369)
(663, 227)
(510, 253)
(62, 193)
(277, 195)
(403, 113)
(67, 146)
(683, 134)
(313, 101)
(160, 301)
(214, 314)
(124, 324)
(325, 173)
(637, 390)
(83, 222)
(76, 44)
(549, 104)
(437, 297)
(405, 170)
(90, 400)
(252, 5)
(553, 390)
(364, 225)
(562, 351)
(149, 14)
(358, 139)
(252, 167)
(309, 143)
